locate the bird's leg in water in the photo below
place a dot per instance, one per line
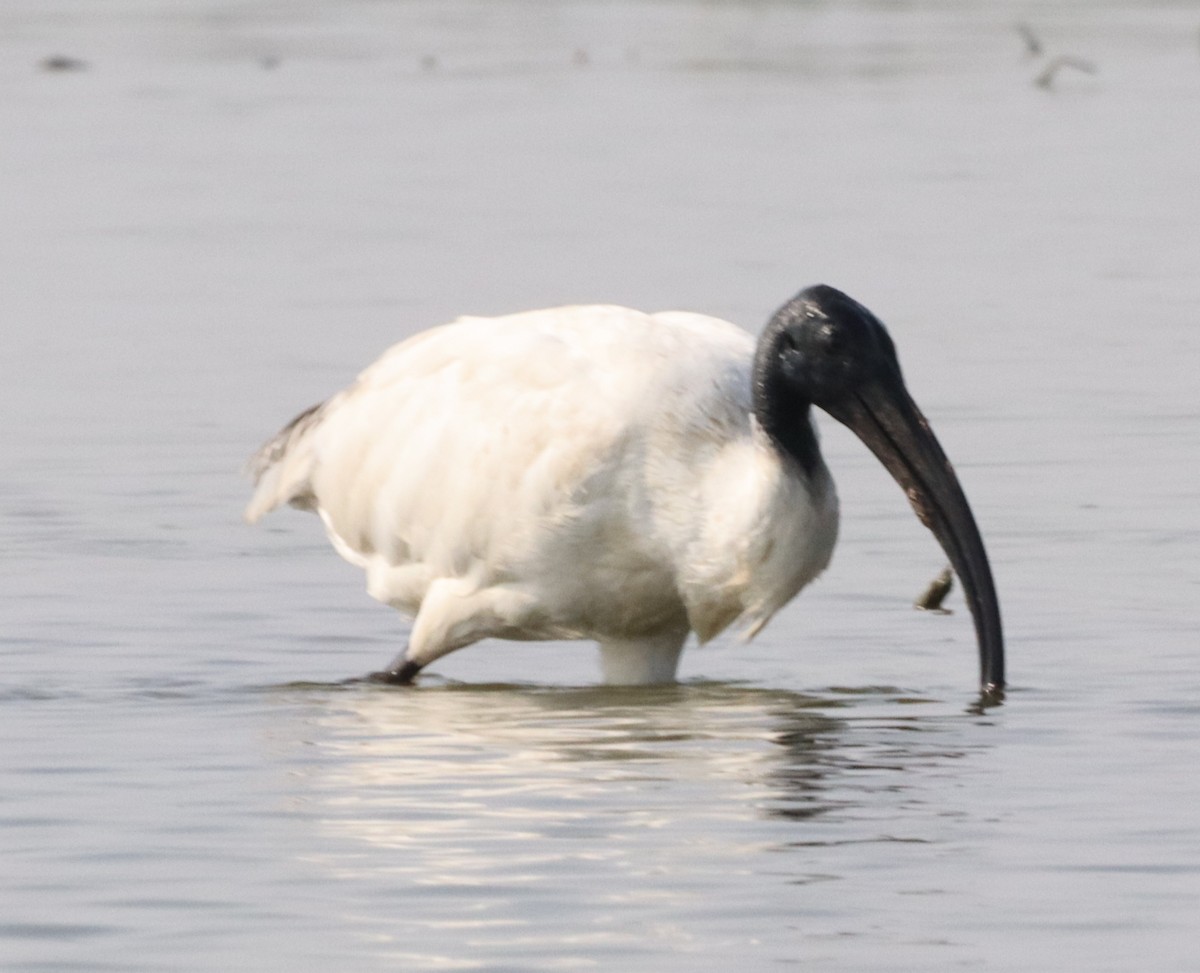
(401, 672)
(648, 661)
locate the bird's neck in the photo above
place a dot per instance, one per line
(786, 418)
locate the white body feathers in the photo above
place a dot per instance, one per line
(581, 472)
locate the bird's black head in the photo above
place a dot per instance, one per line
(819, 347)
(823, 348)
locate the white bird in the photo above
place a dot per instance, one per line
(600, 473)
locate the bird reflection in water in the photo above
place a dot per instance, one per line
(537, 758)
(540, 827)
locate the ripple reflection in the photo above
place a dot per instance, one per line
(535, 821)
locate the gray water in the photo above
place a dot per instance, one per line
(230, 207)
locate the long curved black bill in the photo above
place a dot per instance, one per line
(883, 415)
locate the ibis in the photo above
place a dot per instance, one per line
(600, 473)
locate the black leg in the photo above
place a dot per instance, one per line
(401, 672)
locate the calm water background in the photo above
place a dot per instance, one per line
(236, 205)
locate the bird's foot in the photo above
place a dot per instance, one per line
(399, 673)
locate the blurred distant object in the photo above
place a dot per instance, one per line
(1035, 49)
(61, 62)
(1033, 44)
(1050, 72)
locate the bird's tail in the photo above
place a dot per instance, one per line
(282, 467)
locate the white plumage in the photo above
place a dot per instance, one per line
(574, 473)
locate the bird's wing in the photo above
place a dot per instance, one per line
(470, 440)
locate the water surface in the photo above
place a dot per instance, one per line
(232, 207)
